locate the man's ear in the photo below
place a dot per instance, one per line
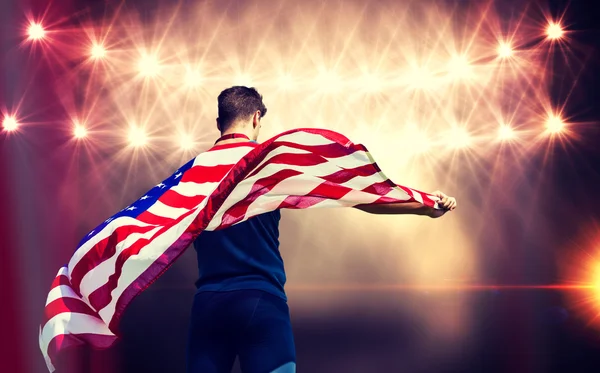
(256, 119)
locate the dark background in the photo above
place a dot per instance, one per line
(517, 331)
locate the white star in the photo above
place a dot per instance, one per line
(89, 234)
(161, 185)
(108, 220)
(131, 208)
(144, 197)
(177, 175)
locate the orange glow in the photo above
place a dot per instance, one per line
(580, 265)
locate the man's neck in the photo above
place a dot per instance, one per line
(235, 139)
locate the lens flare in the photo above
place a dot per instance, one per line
(554, 31)
(186, 142)
(504, 50)
(79, 131)
(137, 137)
(579, 264)
(506, 132)
(555, 124)
(149, 66)
(10, 123)
(36, 31)
(98, 51)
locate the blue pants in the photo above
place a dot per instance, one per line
(251, 324)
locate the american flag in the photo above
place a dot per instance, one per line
(228, 184)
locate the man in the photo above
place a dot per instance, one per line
(240, 307)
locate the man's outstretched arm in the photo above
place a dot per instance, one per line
(412, 208)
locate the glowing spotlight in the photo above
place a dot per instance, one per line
(137, 137)
(243, 80)
(504, 50)
(459, 67)
(555, 124)
(79, 131)
(10, 123)
(459, 138)
(329, 81)
(98, 51)
(554, 31)
(421, 78)
(506, 133)
(286, 81)
(193, 78)
(186, 142)
(416, 140)
(149, 66)
(35, 31)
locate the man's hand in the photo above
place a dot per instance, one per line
(445, 202)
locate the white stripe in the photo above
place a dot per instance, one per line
(70, 323)
(104, 233)
(61, 291)
(305, 138)
(98, 276)
(166, 211)
(191, 189)
(137, 264)
(222, 156)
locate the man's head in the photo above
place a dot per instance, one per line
(240, 110)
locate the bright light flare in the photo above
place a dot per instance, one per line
(149, 66)
(36, 31)
(79, 131)
(186, 142)
(459, 138)
(580, 265)
(193, 78)
(555, 124)
(459, 67)
(98, 51)
(504, 50)
(554, 31)
(10, 123)
(137, 137)
(506, 133)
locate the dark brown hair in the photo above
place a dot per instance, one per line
(238, 102)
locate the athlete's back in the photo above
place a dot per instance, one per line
(243, 256)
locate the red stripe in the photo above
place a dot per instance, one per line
(291, 159)
(101, 297)
(300, 202)
(66, 304)
(329, 190)
(381, 188)
(60, 280)
(350, 173)
(205, 174)
(237, 212)
(102, 251)
(173, 199)
(331, 150)
(150, 218)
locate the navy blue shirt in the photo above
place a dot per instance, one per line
(243, 256)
